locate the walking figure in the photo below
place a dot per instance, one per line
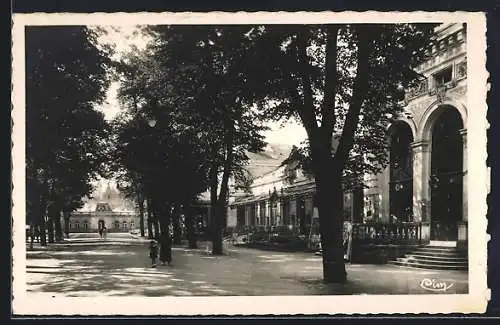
(165, 248)
(153, 252)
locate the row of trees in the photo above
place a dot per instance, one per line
(67, 140)
(210, 87)
(197, 99)
(186, 128)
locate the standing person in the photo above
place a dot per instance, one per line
(165, 248)
(153, 252)
(104, 232)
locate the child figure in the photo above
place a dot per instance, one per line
(153, 252)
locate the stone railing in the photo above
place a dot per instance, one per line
(261, 233)
(400, 233)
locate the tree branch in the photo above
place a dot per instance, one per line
(227, 165)
(359, 89)
(306, 111)
(328, 105)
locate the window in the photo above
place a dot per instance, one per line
(117, 224)
(77, 225)
(132, 224)
(71, 225)
(451, 39)
(442, 77)
(86, 224)
(124, 225)
(442, 44)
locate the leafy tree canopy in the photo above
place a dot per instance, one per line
(311, 73)
(67, 138)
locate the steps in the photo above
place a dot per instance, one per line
(434, 257)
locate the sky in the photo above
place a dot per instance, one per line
(123, 38)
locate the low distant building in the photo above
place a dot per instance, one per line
(284, 197)
(108, 208)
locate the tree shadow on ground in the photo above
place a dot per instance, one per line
(126, 271)
(105, 271)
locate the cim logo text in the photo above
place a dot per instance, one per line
(435, 285)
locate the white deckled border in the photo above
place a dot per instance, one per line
(478, 181)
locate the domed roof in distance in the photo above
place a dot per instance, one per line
(103, 207)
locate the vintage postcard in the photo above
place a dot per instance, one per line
(264, 163)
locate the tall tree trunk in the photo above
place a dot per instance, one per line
(328, 170)
(141, 215)
(176, 223)
(157, 217)
(329, 195)
(217, 246)
(66, 223)
(43, 234)
(50, 230)
(163, 220)
(156, 226)
(150, 218)
(215, 231)
(59, 232)
(221, 210)
(53, 214)
(42, 222)
(190, 226)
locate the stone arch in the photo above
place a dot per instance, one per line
(410, 122)
(426, 124)
(399, 174)
(384, 176)
(446, 167)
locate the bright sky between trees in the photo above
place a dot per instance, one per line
(124, 37)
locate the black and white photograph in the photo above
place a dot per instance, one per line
(249, 163)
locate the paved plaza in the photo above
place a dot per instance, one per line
(119, 266)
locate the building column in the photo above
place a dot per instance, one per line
(246, 214)
(463, 224)
(463, 133)
(281, 213)
(421, 155)
(267, 215)
(257, 214)
(384, 192)
(293, 211)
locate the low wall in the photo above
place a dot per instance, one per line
(379, 254)
(277, 247)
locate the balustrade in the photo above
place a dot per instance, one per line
(262, 233)
(376, 233)
(371, 233)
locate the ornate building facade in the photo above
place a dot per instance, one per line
(108, 208)
(426, 179)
